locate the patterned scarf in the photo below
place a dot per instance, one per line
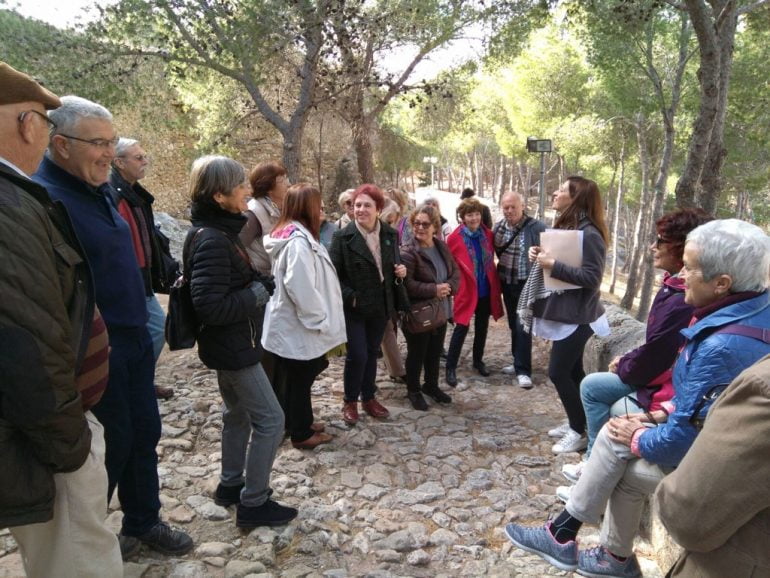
(512, 264)
(487, 257)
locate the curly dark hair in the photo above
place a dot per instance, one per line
(469, 205)
(674, 227)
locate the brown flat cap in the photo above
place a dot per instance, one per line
(16, 87)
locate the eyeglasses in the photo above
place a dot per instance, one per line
(347, 203)
(696, 420)
(422, 225)
(101, 143)
(140, 158)
(661, 241)
(51, 124)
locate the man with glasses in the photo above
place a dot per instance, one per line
(52, 446)
(76, 172)
(134, 204)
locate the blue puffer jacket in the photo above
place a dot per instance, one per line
(707, 360)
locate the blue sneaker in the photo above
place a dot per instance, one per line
(540, 541)
(599, 563)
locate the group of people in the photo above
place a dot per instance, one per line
(277, 289)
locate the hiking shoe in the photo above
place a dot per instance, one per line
(540, 541)
(167, 540)
(598, 563)
(559, 430)
(572, 441)
(227, 495)
(509, 370)
(563, 492)
(437, 395)
(572, 471)
(268, 514)
(525, 381)
(129, 546)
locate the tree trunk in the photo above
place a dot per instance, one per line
(616, 216)
(362, 131)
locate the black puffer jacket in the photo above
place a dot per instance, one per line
(357, 271)
(220, 275)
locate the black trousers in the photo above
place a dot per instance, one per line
(299, 408)
(565, 369)
(423, 351)
(521, 341)
(480, 327)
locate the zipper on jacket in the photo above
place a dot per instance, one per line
(252, 333)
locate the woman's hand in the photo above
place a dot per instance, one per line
(532, 253)
(613, 367)
(621, 429)
(399, 271)
(545, 260)
(443, 290)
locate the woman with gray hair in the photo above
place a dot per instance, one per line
(726, 265)
(229, 297)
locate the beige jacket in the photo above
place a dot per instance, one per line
(716, 504)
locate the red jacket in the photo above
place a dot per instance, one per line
(467, 295)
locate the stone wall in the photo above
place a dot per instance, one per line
(628, 333)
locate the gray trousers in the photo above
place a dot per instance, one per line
(614, 482)
(251, 414)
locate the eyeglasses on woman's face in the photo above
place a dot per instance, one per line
(419, 224)
(661, 241)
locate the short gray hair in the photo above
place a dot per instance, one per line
(735, 248)
(72, 110)
(123, 145)
(214, 174)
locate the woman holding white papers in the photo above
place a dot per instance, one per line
(570, 315)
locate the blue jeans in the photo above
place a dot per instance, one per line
(156, 325)
(128, 411)
(598, 392)
(252, 430)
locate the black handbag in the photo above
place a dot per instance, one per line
(181, 321)
(424, 316)
(400, 295)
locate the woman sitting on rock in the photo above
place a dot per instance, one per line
(725, 277)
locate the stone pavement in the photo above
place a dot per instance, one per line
(419, 494)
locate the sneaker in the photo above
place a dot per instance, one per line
(228, 495)
(525, 381)
(129, 546)
(167, 540)
(571, 441)
(268, 514)
(598, 563)
(572, 471)
(559, 430)
(509, 370)
(563, 492)
(540, 541)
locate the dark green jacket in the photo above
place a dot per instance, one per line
(363, 295)
(46, 307)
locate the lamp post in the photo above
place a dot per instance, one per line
(542, 146)
(432, 161)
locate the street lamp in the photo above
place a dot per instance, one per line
(542, 146)
(432, 161)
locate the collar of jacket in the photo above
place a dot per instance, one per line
(210, 215)
(35, 189)
(355, 240)
(136, 195)
(730, 314)
(49, 170)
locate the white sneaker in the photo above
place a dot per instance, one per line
(509, 370)
(563, 492)
(559, 430)
(572, 471)
(571, 442)
(525, 381)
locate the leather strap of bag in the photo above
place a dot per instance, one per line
(504, 248)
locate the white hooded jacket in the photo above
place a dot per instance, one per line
(304, 318)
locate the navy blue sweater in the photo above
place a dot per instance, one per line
(106, 239)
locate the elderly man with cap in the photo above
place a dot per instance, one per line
(134, 204)
(76, 172)
(51, 336)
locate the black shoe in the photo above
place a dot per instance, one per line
(129, 546)
(451, 377)
(228, 495)
(437, 395)
(268, 514)
(417, 400)
(481, 368)
(167, 540)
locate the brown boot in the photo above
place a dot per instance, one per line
(314, 440)
(374, 408)
(350, 412)
(162, 392)
(318, 426)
